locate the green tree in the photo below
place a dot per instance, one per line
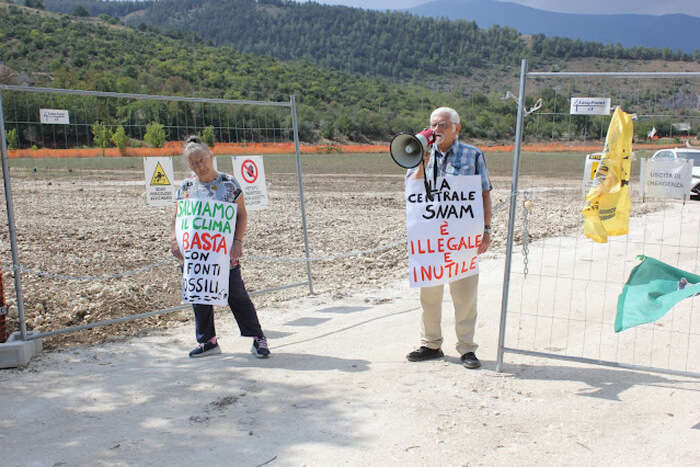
(101, 135)
(155, 135)
(12, 139)
(38, 4)
(208, 136)
(80, 11)
(120, 139)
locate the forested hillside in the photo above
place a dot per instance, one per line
(99, 53)
(54, 50)
(396, 45)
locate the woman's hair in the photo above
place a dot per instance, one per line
(194, 145)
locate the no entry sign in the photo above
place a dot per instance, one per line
(250, 173)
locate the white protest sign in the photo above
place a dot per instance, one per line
(250, 173)
(204, 230)
(666, 178)
(159, 174)
(590, 106)
(444, 234)
(54, 116)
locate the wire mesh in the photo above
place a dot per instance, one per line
(80, 207)
(564, 287)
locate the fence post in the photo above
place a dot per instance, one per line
(293, 104)
(11, 226)
(511, 215)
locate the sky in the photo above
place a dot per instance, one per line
(646, 7)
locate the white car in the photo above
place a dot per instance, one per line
(685, 153)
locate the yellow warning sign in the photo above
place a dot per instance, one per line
(159, 177)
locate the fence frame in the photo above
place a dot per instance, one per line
(16, 267)
(524, 74)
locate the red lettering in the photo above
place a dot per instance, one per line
(441, 245)
(463, 244)
(206, 245)
(425, 274)
(473, 263)
(442, 272)
(186, 241)
(222, 244)
(413, 251)
(443, 229)
(420, 250)
(429, 249)
(448, 259)
(464, 267)
(195, 241)
(478, 240)
(415, 276)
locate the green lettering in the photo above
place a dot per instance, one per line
(218, 207)
(207, 209)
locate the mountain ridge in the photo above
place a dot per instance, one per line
(584, 27)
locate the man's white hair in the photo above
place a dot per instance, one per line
(454, 116)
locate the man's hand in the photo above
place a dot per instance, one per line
(485, 243)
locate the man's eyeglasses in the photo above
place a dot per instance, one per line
(440, 125)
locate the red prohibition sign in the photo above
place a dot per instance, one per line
(249, 171)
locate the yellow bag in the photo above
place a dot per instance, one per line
(607, 208)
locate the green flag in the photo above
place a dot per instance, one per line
(652, 289)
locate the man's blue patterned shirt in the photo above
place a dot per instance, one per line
(460, 159)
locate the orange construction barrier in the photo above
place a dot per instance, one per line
(174, 148)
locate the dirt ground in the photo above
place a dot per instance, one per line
(338, 388)
(95, 224)
(338, 391)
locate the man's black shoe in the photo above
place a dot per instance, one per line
(469, 360)
(424, 353)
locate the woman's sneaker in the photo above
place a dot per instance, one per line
(205, 350)
(260, 348)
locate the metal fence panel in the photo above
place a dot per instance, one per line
(560, 288)
(85, 248)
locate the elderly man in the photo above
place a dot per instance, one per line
(449, 156)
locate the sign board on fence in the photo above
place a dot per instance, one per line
(681, 126)
(160, 190)
(204, 230)
(592, 163)
(250, 173)
(444, 234)
(54, 116)
(666, 178)
(590, 106)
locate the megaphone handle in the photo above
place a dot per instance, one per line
(426, 183)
